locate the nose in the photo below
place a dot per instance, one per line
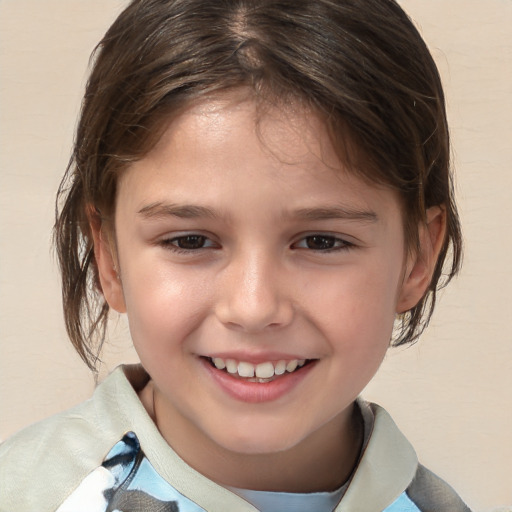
(253, 294)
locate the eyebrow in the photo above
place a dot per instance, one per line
(337, 212)
(185, 211)
(160, 210)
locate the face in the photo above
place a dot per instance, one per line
(261, 279)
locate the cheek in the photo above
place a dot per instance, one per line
(162, 305)
(356, 299)
(356, 313)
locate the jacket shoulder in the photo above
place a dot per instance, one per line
(431, 493)
(42, 464)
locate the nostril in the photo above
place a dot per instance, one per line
(253, 304)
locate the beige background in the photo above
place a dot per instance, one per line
(451, 393)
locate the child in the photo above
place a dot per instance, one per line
(264, 188)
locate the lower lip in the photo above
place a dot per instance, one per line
(256, 392)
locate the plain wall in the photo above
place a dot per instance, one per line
(450, 394)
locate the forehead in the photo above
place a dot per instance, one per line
(222, 145)
(287, 130)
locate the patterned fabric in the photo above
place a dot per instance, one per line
(402, 504)
(126, 482)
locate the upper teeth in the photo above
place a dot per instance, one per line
(265, 370)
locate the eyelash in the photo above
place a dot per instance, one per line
(334, 243)
(172, 243)
(338, 244)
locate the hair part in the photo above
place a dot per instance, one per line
(360, 64)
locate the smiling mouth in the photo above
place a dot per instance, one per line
(262, 372)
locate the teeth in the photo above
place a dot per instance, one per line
(280, 367)
(219, 363)
(231, 366)
(246, 369)
(260, 372)
(265, 370)
(291, 366)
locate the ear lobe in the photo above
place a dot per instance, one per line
(105, 257)
(420, 266)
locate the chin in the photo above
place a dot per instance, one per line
(258, 441)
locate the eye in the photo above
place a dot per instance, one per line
(190, 242)
(319, 242)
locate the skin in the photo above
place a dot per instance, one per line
(258, 285)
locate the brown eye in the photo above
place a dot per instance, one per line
(190, 242)
(320, 242)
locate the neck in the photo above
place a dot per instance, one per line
(322, 462)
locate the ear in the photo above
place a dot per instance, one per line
(106, 262)
(421, 264)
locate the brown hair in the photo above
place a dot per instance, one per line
(360, 64)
